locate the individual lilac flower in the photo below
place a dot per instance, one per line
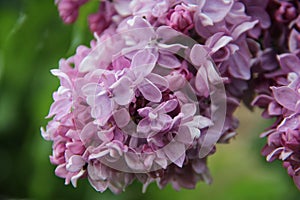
(156, 120)
(180, 18)
(99, 21)
(68, 9)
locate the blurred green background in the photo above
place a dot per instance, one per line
(32, 40)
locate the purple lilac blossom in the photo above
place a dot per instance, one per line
(276, 77)
(124, 113)
(68, 9)
(122, 105)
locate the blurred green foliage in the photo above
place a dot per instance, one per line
(32, 40)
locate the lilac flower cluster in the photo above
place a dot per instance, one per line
(159, 85)
(276, 71)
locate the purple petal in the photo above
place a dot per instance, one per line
(286, 97)
(75, 163)
(239, 66)
(296, 179)
(121, 63)
(99, 185)
(240, 29)
(176, 81)
(161, 122)
(174, 150)
(106, 135)
(184, 136)
(199, 122)
(159, 81)
(201, 82)
(216, 10)
(121, 117)
(167, 106)
(291, 122)
(290, 62)
(168, 61)
(143, 62)
(294, 40)
(166, 33)
(217, 41)
(134, 161)
(150, 91)
(60, 108)
(199, 54)
(144, 112)
(101, 108)
(88, 134)
(122, 91)
(188, 109)
(64, 78)
(144, 126)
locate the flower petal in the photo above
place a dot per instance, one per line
(150, 91)
(123, 91)
(121, 117)
(286, 97)
(174, 150)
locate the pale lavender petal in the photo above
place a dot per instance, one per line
(188, 109)
(143, 112)
(123, 7)
(134, 161)
(76, 177)
(199, 54)
(168, 61)
(217, 41)
(64, 78)
(167, 106)
(159, 81)
(121, 117)
(106, 135)
(150, 91)
(240, 29)
(144, 126)
(166, 33)
(199, 122)
(216, 10)
(88, 134)
(174, 150)
(184, 136)
(75, 163)
(99, 185)
(160, 123)
(122, 91)
(143, 63)
(201, 82)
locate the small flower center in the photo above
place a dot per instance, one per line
(152, 115)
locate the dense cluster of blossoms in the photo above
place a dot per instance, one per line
(276, 71)
(159, 85)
